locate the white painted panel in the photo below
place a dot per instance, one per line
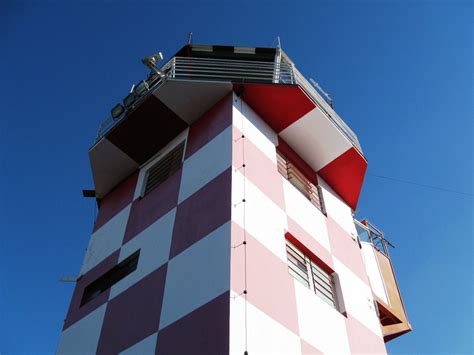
(337, 209)
(358, 298)
(316, 140)
(207, 163)
(105, 157)
(143, 347)
(303, 212)
(197, 275)
(259, 215)
(152, 161)
(320, 324)
(106, 240)
(254, 128)
(265, 335)
(190, 99)
(154, 244)
(373, 271)
(83, 336)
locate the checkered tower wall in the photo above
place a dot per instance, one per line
(277, 314)
(187, 294)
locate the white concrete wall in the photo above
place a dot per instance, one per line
(337, 208)
(373, 271)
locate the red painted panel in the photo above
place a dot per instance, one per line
(116, 200)
(345, 175)
(213, 122)
(76, 312)
(152, 206)
(202, 212)
(202, 331)
(278, 105)
(134, 314)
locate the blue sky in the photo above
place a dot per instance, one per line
(400, 73)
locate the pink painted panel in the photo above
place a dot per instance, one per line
(259, 169)
(269, 285)
(309, 243)
(346, 250)
(307, 349)
(361, 339)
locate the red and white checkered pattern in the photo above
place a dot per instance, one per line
(186, 295)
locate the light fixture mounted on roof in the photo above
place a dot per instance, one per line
(151, 61)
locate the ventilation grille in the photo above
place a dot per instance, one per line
(301, 182)
(167, 166)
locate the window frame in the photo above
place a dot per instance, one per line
(296, 177)
(145, 167)
(320, 289)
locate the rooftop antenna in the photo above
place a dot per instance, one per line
(190, 38)
(151, 61)
(277, 40)
(328, 98)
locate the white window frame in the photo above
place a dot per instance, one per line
(337, 303)
(145, 167)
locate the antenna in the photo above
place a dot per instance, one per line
(328, 98)
(68, 279)
(190, 38)
(278, 42)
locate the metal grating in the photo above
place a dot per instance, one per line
(301, 182)
(163, 169)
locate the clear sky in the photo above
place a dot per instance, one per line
(400, 73)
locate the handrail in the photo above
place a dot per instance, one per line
(193, 68)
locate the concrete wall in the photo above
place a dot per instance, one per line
(182, 229)
(270, 311)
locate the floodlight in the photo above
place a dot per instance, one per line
(141, 88)
(117, 111)
(129, 100)
(150, 62)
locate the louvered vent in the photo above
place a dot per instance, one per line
(167, 166)
(301, 182)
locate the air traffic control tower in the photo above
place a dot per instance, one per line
(226, 186)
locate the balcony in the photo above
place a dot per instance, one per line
(235, 71)
(391, 311)
(194, 80)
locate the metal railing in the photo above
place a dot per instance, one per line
(370, 233)
(230, 70)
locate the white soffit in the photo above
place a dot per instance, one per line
(191, 99)
(316, 140)
(109, 166)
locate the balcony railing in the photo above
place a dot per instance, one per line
(236, 71)
(369, 233)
